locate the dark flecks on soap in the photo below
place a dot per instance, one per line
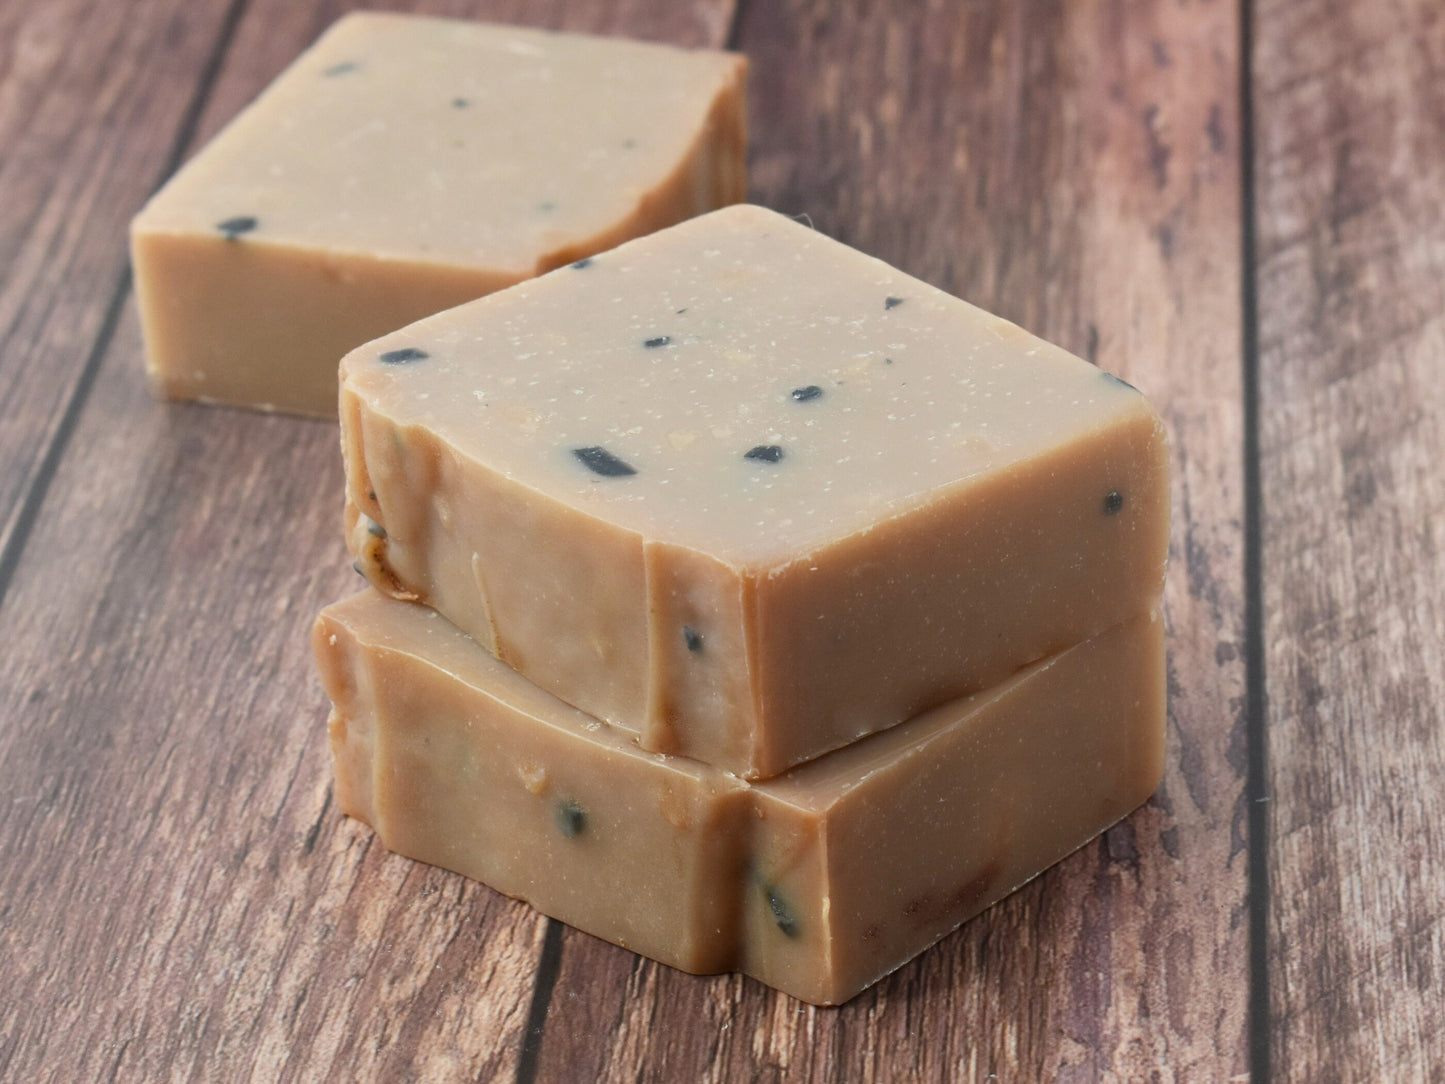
(585, 261)
(234, 227)
(805, 395)
(546, 206)
(346, 67)
(571, 818)
(404, 355)
(1111, 378)
(768, 453)
(692, 638)
(654, 343)
(356, 567)
(681, 311)
(781, 912)
(376, 530)
(1113, 501)
(629, 143)
(460, 103)
(892, 302)
(601, 461)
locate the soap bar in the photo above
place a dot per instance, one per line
(403, 165)
(818, 882)
(748, 492)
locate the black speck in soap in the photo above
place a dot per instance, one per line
(376, 530)
(629, 143)
(892, 302)
(661, 340)
(1113, 501)
(546, 205)
(571, 818)
(460, 103)
(692, 638)
(768, 453)
(356, 567)
(887, 361)
(404, 355)
(601, 461)
(803, 395)
(782, 913)
(234, 227)
(1112, 379)
(681, 311)
(585, 261)
(344, 68)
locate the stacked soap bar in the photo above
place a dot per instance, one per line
(749, 493)
(403, 165)
(788, 610)
(817, 882)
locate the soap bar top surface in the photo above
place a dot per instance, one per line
(374, 137)
(740, 385)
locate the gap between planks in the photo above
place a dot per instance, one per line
(1257, 766)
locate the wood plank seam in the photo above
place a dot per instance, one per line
(735, 26)
(549, 963)
(50, 461)
(1256, 771)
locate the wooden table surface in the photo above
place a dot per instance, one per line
(1236, 205)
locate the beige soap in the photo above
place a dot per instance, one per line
(749, 493)
(403, 165)
(818, 882)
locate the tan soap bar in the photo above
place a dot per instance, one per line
(748, 492)
(403, 165)
(818, 882)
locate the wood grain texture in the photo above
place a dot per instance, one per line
(90, 108)
(1351, 167)
(178, 896)
(1075, 168)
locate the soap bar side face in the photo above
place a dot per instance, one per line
(544, 587)
(351, 726)
(343, 202)
(949, 599)
(558, 812)
(263, 324)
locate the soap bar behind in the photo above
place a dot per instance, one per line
(818, 882)
(403, 165)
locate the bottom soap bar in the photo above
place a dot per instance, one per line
(818, 882)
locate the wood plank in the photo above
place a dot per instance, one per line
(178, 896)
(1075, 168)
(90, 106)
(1351, 164)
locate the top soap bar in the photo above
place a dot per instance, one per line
(748, 492)
(403, 165)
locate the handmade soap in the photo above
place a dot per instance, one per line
(403, 165)
(748, 492)
(818, 882)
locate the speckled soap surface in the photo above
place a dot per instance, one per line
(404, 164)
(748, 492)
